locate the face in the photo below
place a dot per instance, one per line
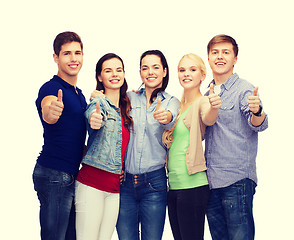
(70, 60)
(190, 75)
(112, 75)
(222, 59)
(152, 72)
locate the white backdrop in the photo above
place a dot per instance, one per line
(263, 30)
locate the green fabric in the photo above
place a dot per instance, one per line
(178, 176)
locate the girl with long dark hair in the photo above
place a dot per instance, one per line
(98, 181)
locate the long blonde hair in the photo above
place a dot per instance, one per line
(167, 136)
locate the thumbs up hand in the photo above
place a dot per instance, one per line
(254, 101)
(160, 114)
(96, 118)
(55, 109)
(214, 99)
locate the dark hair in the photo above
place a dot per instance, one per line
(124, 101)
(63, 38)
(223, 38)
(164, 65)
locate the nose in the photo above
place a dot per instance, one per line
(73, 58)
(220, 55)
(150, 72)
(186, 73)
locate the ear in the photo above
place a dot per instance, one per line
(235, 60)
(99, 78)
(203, 77)
(165, 71)
(55, 57)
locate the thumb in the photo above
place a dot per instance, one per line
(211, 87)
(59, 96)
(255, 91)
(98, 110)
(158, 104)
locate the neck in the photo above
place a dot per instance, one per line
(190, 95)
(113, 95)
(221, 78)
(72, 80)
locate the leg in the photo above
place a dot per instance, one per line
(128, 223)
(172, 214)
(216, 216)
(153, 208)
(238, 205)
(191, 212)
(110, 215)
(55, 191)
(89, 211)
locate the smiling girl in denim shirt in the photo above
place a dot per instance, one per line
(98, 182)
(143, 196)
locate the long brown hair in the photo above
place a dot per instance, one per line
(124, 101)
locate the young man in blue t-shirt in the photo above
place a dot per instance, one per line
(231, 146)
(61, 107)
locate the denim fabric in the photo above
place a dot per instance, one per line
(55, 191)
(229, 211)
(143, 199)
(146, 151)
(104, 144)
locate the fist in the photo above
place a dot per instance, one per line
(96, 118)
(254, 101)
(214, 99)
(55, 108)
(160, 114)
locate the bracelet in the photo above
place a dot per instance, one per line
(259, 113)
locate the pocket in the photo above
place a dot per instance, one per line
(226, 113)
(158, 184)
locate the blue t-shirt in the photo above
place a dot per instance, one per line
(64, 141)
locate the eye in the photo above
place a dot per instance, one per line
(144, 68)
(181, 70)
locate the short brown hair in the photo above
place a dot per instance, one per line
(223, 38)
(63, 38)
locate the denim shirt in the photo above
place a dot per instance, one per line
(146, 151)
(231, 143)
(104, 144)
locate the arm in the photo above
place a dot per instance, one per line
(52, 108)
(211, 114)
(255, 107)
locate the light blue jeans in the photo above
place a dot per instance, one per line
(143, 199)
(229, 211)
(55, 191)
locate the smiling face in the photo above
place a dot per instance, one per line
(112, 74)
(69, 61)
(222, 59)
(189, 73)
(152, 72)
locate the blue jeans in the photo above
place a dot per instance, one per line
(55, 191)
(229, 211)
(143, 199)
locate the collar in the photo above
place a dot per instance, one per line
(230, 81)
(64, 83)
(163, 94)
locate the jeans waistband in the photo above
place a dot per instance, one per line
(137, 178)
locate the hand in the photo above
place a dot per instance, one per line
(214, 99)
(96, 118)
(160, 114)
(55, 108)
(97, 93)
(254, 101)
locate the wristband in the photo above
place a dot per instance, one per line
(259, 113)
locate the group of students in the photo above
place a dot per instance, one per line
(144, 151)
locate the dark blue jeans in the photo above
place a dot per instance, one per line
(55, 191)
(143, 199)
(229, 211)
